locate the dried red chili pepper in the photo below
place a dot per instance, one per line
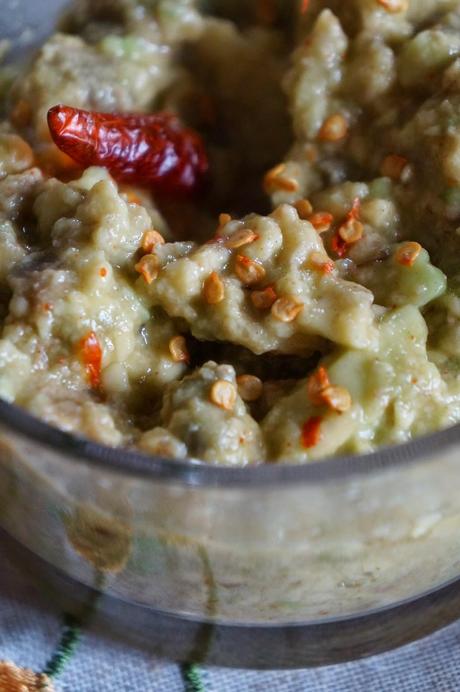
(150, 149)
(311, 432)
(91, 355)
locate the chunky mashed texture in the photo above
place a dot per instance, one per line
(308, 303)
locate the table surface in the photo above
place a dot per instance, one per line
(34, 634)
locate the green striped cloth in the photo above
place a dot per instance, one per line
(79, 658)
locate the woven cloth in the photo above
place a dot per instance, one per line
(31, 632)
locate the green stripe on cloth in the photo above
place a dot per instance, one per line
(191, 675)
(70, 636)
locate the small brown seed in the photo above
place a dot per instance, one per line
(213, 289)
(149, 267)
(334, 128)
(337, 398)
(407, 253)
(263, 300)
(178, 349)
(286, 309)
(304, 208)
(150, 239)
(244, 236)
(223, 394)
(249, 387)
(249, 271)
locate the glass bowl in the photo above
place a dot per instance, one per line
(268, 567)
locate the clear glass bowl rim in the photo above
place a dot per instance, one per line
(134, 464)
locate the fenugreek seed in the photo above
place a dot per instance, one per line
(317, 383)
(321, 263)
(263, 300)
(150, 239)
(394, 5)
(276, 179)
(248, 271)
(351, 231)
(337, 398)
(244, 236)
(286, 309)
(395, 167)
(223, 394)
(249, 387)
(148, 266)
(304, 208)
(321, 221)
(334, 128)
(178, 349)
(407, 253)
(213, 289)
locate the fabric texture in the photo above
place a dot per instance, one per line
(32, 629)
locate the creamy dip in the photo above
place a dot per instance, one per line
(307, 303)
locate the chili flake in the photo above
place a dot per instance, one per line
(248, 271)
(148, 266)
(264, 299)
(213, 289)
(350, 231)
(91, 355)
(407, 253)
(311, 432)
(337, 398)
(224, 219)
(150, 239)
(334, 128)
(286, 309)
(304, 208)
(394, 5)
(178, 349)
(321, 263)
(275, 180)
(244, 236)
(317, 383)
(321, 221)
(223, 394)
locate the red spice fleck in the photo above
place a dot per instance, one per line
(147, 149)
(311, 432)
(47, 307)
(304, 6)
(91, 355)
(102, 272)
(338, 244)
